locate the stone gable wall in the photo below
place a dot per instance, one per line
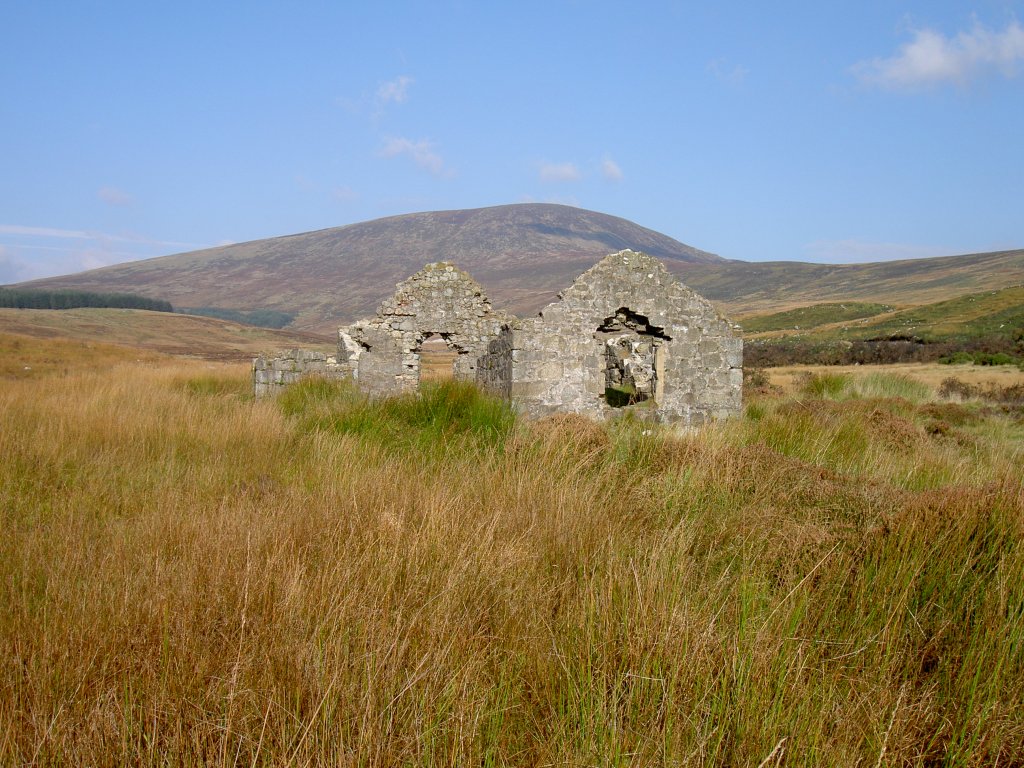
(560, 360)
(439, 299)
(625, 333)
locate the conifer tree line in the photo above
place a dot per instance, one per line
(23, 298)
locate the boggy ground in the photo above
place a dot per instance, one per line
(191, 577)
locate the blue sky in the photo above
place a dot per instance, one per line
(791, 130)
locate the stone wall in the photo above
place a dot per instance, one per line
(494, 368)
(440, 299)
(627, 333)
(272, 374)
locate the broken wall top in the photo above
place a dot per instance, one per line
(441, 298)
(639, 282)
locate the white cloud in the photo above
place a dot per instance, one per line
(114, 196)
(733, 74)
(31, 262)
(344, 194)
(17, 229)
(853, 251)
(931, 58)
(27, 252)
(559, 172)
(611, 170)
(421, 152)
(394, 91)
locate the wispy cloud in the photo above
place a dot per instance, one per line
(114, 196)
(28, 252)
(854, 251)
(559, 172)
(344, 194)
(931, 58)
(19, 230)
(611, 170)
(394, 91)
(10, 270)
(30, 262)
(421, 152)
(728, 72)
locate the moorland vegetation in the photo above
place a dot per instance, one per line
(982, 328)
(189, 576)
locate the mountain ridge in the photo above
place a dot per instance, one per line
(522, 255)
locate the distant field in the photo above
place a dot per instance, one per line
(969, 316)
(164, 332)
(804, 318)
(974, 315)
(789, 377)
(189, 576)
(748, 288)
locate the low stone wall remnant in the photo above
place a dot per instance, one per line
(272, 374)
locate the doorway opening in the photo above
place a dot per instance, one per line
(437, 358)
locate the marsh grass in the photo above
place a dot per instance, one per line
(192, 577)
(445, 416)
(840, 386)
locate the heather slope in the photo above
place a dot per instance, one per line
(521, 254)
(758, 287)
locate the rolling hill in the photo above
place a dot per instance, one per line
(746, 288)
(522, 255)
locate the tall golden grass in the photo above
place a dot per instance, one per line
(191, 577)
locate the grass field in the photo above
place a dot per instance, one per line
(813, 316)
(191, 577)
(164, 332)
(975, 315)
(791, 377)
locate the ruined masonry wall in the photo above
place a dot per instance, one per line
(494, 369)
(625, 323)
(559, 358)
(383, 353)
(272, 374)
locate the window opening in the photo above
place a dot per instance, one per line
(630, 350)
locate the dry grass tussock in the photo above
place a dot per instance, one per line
(190, 577)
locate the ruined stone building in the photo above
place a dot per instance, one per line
(625, 334)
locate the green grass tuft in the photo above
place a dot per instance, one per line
(826, 385)
(890, 385)
(439, 417)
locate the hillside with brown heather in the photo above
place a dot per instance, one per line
(748, 288)
(522, 255)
